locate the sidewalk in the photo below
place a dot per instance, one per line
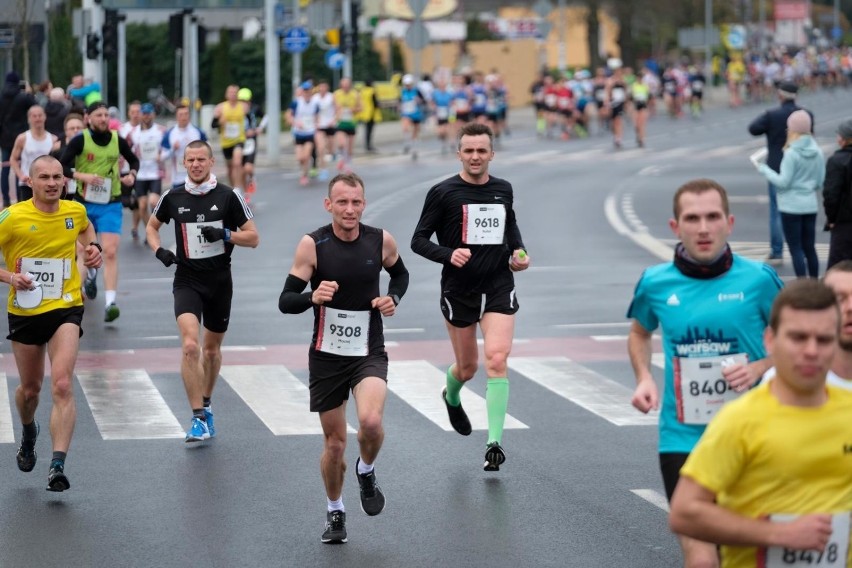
(387, 136)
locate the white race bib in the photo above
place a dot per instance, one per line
(483, 224)
(618, 96)
(248, 147)
(343, 332)
(99, 193)
(49, 273)
(150, 151)
(71, 186)
(700, 388)
(697, 86)
(409, 107)
(442, 112)
(346, 114)
(834, 555)
(196, 246)
(640, 97)
(232, 130)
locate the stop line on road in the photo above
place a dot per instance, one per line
(126, 404)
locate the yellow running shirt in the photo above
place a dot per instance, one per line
(44, 244)
(232, 124)
(764, 459)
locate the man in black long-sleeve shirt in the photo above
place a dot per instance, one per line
(837, 196)
(480, 245)
(91, 159)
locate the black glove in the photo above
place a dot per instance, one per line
(212, 234)
(166, 256)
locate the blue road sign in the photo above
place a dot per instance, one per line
(296, 40)
(334, 59)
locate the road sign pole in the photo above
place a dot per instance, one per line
(347, 33)
(297, 55)
(273, 84)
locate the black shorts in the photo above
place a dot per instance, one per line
(640, 106)
(330, 131)
(145, 186)
(332, 376)
(443, 121)
(463, 310)
(299, 139)
(616, 110)
(492, 116)
(477, 113)
(566, 112)
(229, 152)
(670, 464)
(38, 329)
(207, 295)
(463, 116)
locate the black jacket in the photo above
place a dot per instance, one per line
(837, 188)
(773, 123)
(15, 119)
(56, 112)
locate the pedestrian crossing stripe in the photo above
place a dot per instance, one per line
(276, 396)
(126, 404)
(7, 436)
(584, 387)
(419, 383)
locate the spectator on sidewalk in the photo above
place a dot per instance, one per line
(837, 196)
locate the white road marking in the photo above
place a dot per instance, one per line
(584, 387)
(127, 406)
(653, 497)
(419, 384)
(276, 396)
(7, 433)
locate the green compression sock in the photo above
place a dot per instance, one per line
(496, 402)
(454, 387)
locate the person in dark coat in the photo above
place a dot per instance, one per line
(773, 124)
(837, 196)
(56, 109)
(14, 122)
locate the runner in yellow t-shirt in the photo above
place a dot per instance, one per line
(771, 478)
(348, 104)
(229, 117)
(39, 239)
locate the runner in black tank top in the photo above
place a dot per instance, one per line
(342, 262)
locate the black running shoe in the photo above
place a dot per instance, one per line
(494, 456)
(458, 417)
(335, 527)
(26, 453)
(56, 479)
(372, 498)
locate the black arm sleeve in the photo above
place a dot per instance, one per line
(398, 278)
(69, 156)
(293, 300)
(214, 124)
(127, 153)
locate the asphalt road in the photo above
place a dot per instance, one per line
(581, 485)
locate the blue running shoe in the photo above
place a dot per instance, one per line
(198, 431)
(208, 417)
(26, 453)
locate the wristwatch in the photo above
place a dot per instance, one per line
(395, 299)
(97, 245)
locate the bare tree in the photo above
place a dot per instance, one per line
(24, 33)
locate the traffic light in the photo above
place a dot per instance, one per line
(92, 48)
(355, 15)
(176, 30)
(109, 33)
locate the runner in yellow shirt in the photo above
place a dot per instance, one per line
(229, 117)
(348, 104)
(771, 478)
(39, 239)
